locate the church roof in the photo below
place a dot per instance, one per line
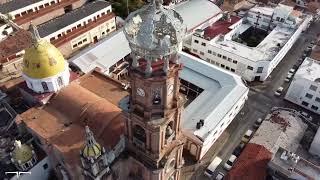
(62, 121)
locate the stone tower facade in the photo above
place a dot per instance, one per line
(153, 130)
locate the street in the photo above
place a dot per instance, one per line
(260, 100)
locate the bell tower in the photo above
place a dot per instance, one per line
(153, 129)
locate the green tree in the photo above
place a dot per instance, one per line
(121, 7)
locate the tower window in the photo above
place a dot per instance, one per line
(44, 86)
(139, 133)
(45, 166)
(156, 97)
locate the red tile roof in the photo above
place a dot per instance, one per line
(220, 27)
(251, 164)
(61, 122)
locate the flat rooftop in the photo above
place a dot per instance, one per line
(221, 89)
(220, 27)
(263, 10)
(309, 70)
(15, 5)
(75, 15)
(195, 13)
(303, 169)
(282, 129)
(266, 50)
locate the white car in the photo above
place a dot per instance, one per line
(220, 176)
(246, 137)
(292, 70)
(278, 91)
(228, 165)
(288, 77)
(212, 166)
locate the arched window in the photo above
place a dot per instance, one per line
(156, 96)
(169, 130)
(139, 133)
(60, 82)
(44, 86)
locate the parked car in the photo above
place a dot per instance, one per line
(257, 123)
(246, 137)
(278, 91)
(292, 70)
(288, 78)
(212, 166)
(228, 165)
(237, 151)
(219, 176)
(305, 114)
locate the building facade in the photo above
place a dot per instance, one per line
(304, 88)
(227, 43)
(24, 11)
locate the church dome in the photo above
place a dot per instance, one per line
(92, 151)
(22, 153)
(155, 30)
(91, 148)
(42, 59)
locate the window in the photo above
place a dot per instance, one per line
(60, 82)
(228, 68)
(52, 39)
(108, 10)
(203, 44)
(44, 86)
(139, 133)
(235, 62)
(314, 107)
(218, 64)
(103, 13)
(208, 60)
(69, 31)
(232, 70)
(224, 57)
(113, 27)
(79, 25)
(317, 99)
(313, 87)
(309, 95)
(59, 35)
(194, 50)
(209, 51)
(202, 53)
(260, 69)
(305, 103)
(75, 45)
(222, 65)
(196, 41)
(249, 67)
(219, 55)
(213, 53)
(229, 59)
(45, 166)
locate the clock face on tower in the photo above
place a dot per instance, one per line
(140, 92)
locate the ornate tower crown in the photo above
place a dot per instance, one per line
(154, 33)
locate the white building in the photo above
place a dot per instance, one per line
(252, 46)
(305, 86)
(221, 92)
(315, 145)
